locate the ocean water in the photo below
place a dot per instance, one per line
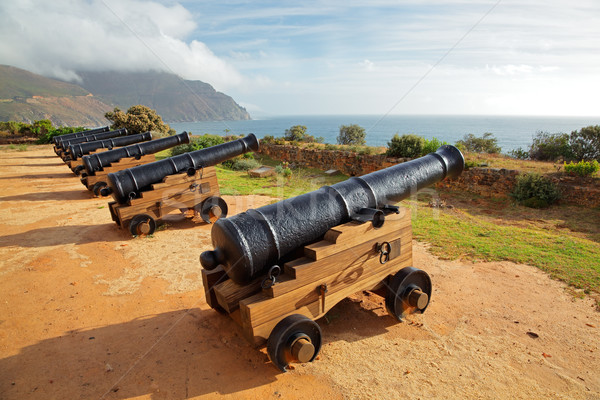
(511, 132)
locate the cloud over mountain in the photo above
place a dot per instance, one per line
(60, 37)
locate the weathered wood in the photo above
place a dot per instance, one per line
(350, 234)
(346, 262)
(175, 192)
(209, 280)
(230, 293)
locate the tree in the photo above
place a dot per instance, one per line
(296, 133)
(352, 134)
(484, 144)
(41, 127)
(585, 143)
(138, 119)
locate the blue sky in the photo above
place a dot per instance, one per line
(507, 57)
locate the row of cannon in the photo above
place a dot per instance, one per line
(278, 268)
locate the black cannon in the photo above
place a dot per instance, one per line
(249, 243)
(89, 138)
(80, 149)
(58, 139)
(278, 268)
(96, 162)
(127, 184)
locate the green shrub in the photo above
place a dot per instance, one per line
(536, 191)
(47, 137)
(410, 146)
(295, 133)
(352, 134)
(585, 143)
(243, 164)
(519, 154)
(197, 143)
(550, 147)
(268, 139)
(582, 168)
(484, 144)
(431, 146)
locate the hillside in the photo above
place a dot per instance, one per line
(27, 97)
(175, 99)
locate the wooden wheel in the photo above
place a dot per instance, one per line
(295, 338)
(142, 224)
(212, 209)
(409, 292)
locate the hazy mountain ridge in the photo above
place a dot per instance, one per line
(27, 97)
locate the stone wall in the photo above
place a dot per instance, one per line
(346, 162)
(488, 182)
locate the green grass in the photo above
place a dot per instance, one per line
(458, 234)
(301, 181)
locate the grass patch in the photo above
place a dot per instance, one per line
(462, 233)
(301, 181)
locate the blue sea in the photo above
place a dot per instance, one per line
(511, 132)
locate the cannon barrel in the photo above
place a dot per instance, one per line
(92, 138)
(80, 149)
(249, 243)
(59, 139)
(128, 183)
(97, 162)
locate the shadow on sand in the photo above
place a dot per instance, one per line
(175, 355)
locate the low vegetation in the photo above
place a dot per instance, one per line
(583, 144)
(536, 191)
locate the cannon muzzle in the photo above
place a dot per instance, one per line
(58, 139)
(247, 244)
(97, 162)
(128, 183)
(81, 149)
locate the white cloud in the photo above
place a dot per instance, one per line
(57, 38)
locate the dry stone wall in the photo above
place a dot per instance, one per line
(488, 182)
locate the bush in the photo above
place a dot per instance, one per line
(197, 143)
(352, 134)
(582, 168)
(550, 147)
(137, 119)
(47, 137)
(585, 143)
(536, 191)
(519, 154)
(295, 133)
(410, 146)
(267, 139)
(431, 146)
(484, 144)
(243, 164)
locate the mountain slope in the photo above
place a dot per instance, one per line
(15, 82)
(28, 97)
(175, 99)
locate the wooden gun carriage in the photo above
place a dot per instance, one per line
(276, 269)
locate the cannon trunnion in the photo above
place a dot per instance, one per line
(278, 268)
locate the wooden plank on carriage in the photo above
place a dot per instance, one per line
(350, 234)
(365, 273)
(209, 280)
(229, 293)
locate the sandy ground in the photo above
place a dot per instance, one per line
(87, 312)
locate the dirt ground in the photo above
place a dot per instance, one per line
(87, 312)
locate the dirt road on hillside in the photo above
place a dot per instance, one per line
(88, 312)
